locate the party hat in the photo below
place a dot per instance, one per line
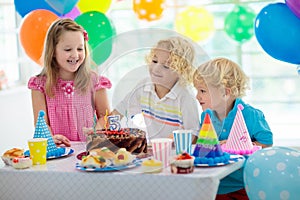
(239, 141)
(208, 149)
(42, 131)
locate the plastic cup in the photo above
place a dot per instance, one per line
(38, 150)
(161, 148)
(183, 141)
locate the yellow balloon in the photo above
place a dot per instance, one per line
(93, 5)
(195, 22)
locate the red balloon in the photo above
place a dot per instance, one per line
(33, 32)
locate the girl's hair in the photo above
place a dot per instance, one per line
(181, 58)
(82, 79)
(222, 72)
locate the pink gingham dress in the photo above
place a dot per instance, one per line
(69, 111)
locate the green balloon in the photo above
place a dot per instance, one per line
(100, 31)
(239, 23)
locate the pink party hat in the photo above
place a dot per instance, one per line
(239, 141)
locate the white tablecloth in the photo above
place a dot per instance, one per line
(59, 179)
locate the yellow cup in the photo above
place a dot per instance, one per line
(38, 150)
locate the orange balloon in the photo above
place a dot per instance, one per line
(33, 32)
(148, 9)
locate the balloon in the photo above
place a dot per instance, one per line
(24, 7)
(239, 23)
(72, 14)
(62, 6)
(94, 5)
(294, 6)
(33, 31)
(149, 10)
(273, 173)
(277, 30)
(185, 23)
(100, 34)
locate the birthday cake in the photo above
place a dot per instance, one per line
(132, 139)
(208, 149)
(239, 141)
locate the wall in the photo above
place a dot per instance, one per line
(16, 118)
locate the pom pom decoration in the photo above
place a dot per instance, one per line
(149, 10)
(239, 23)
(273, 173)
(200, 31)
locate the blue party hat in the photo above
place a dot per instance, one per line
(42, 131)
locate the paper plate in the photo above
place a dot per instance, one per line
(232, 159)
(65, 152)
(135, 163)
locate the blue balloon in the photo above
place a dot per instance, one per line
(23, 7)
(62, 6)
(277, 30)
(273, 173)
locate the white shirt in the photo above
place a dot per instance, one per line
(176, 110)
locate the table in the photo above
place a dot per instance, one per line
(59, 179)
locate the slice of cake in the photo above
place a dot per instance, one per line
(208, 149)
(239, 141)
(93, 162)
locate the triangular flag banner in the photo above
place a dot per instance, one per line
(208, 149)
(239, 141)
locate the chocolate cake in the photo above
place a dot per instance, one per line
(133, 139)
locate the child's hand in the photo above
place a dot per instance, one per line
(60, 139)
(171, 136)
(223, 142)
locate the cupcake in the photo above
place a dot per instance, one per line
(182, 164)
(152, 166)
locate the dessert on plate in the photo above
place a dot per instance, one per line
(152, 166)
(10, 154)
(123, 157)
(91, 161)
(103, 152)
(182, 164)
(21, 162)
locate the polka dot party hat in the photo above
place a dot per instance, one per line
(42, 131)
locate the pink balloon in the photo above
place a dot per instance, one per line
(72, 14)
(294, 6)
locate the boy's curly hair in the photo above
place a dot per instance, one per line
(181, 58)
(222, 72)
